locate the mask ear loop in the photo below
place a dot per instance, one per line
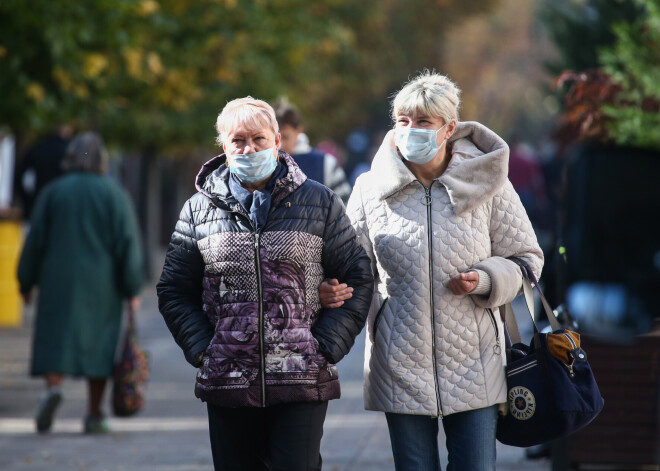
(440, 129)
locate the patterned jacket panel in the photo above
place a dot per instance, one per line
(235, 280)
(259, 296)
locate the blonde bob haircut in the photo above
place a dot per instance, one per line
(250, 112)
(430, 94)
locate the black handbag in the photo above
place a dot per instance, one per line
(551, 390)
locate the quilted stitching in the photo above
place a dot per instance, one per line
(399, 370)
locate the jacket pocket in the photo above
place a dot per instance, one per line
(327, 371)
(378, 317)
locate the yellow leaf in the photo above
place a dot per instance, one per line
(63, 79)
(35, 91)
(155, 64)
(179, 89)
(94, 64)
(133, 58)
(81, 91)
(3, 51)
(328, 47)
(227, 3)
(148, 7)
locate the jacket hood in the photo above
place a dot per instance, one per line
(478, 168)
(213, 179)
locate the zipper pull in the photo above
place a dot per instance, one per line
(427, 197)
(256, 240)
(497, 348)
(571, 371)
(329, 370)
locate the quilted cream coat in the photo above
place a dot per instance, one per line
(429, 352)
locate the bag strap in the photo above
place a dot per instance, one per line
(131, 318)
(128, 332)
(510, 323)
(529, 282)
(529, 294)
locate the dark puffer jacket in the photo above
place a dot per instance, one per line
(249, 300)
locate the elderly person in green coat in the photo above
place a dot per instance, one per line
(83, 253)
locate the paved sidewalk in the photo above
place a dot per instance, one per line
(171, 434)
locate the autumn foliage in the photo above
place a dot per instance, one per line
(583, 117)
(619, 100)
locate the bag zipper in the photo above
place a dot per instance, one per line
(569, 367)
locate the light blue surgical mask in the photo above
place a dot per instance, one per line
(252, 168)
(418, 145)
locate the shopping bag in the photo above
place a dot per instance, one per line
(130, 374)
(551, 390)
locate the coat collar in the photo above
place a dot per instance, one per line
(477, 170)
(213, 179)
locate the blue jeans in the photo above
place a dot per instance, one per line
(470, 440)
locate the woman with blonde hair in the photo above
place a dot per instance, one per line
(239, 292)
(439, 219)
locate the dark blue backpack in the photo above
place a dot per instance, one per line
(311, 164)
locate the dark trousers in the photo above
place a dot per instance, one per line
(285, 437)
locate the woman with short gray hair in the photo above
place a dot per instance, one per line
(86, 153)
(83, 253)
(439, 220)
(239, 294)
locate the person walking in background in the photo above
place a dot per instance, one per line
(526, 176)
(318, 166)
(438, 218)
(83, 253)
(239, 293)
(41, 164)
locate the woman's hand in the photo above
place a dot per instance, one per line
(134, 304)
(333, 294)
(464, 283)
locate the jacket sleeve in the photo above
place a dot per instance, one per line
(344, 259)
(180, 291)
(357, 216)
(511, 235)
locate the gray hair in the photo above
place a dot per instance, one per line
(249, 111)
(429, 93)
(86, 152)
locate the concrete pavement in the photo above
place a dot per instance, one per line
(171, 434)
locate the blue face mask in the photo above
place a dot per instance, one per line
(417, 145)
(252, 168)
